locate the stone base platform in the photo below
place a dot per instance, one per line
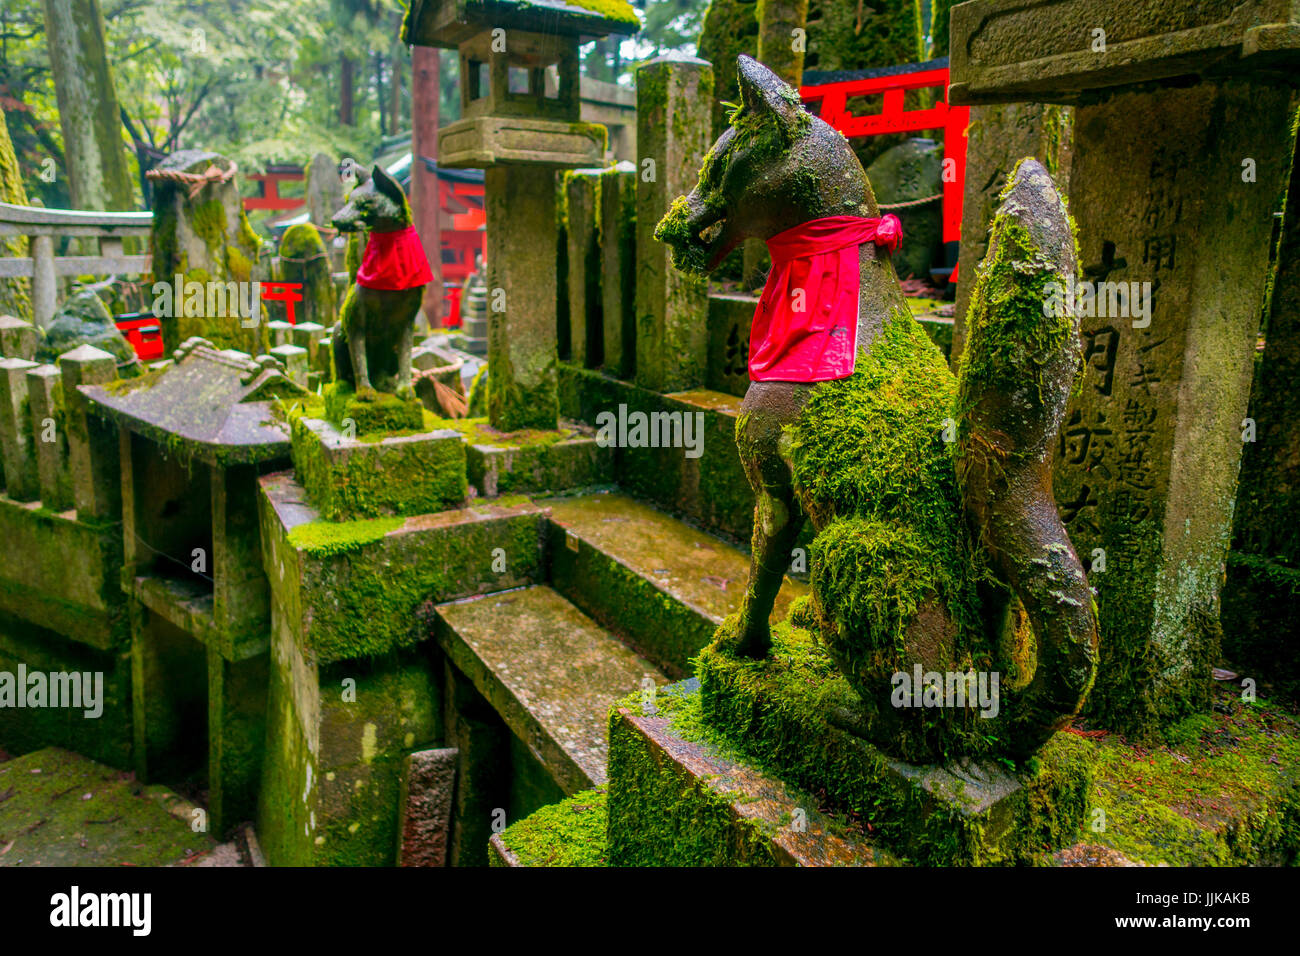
(531, 461)
(347, 478)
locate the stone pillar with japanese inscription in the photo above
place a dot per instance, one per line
(1173, 186)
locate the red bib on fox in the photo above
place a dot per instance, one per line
(393, 261)
(806, 324)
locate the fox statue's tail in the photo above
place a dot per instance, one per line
(1021, 358)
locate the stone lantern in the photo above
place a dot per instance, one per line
(521, 121)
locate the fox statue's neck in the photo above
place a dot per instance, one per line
(879, 294)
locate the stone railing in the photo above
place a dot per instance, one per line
(48, 445)
(41, 226)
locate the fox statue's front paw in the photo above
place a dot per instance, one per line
(406, 393)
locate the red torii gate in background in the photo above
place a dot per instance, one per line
(828, 94)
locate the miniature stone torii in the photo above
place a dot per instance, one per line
(938, 546)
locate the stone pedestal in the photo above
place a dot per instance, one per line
(582, 196)
(618, 268)
(92, 442)
(1173, 184)
(674, 100)
(16, 451)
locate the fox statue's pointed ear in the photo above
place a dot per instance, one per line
(387, 185)
(762, 91)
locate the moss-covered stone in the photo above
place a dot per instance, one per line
(386, 413)
(16, 293)
(785, 712)
(347, 479)
(569, 833)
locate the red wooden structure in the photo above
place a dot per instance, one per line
(144, 334)
(828, 96)
(460, 194)
(268, 189)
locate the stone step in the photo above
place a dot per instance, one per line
(660, 584)
(675, 801)
(549, 671)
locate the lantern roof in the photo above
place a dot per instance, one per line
(448, 23)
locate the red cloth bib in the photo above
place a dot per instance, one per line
(806, 324)
(394, 260)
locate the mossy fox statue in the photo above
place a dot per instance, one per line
(938, 548)
(377, 319)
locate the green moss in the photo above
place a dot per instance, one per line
(391, 476)
(385, 414)
(323, 539)
(1222, 791)
(782, 714)
(619, 10)
(569, 833)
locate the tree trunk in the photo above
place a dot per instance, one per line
(425, 92)
(15, 294)
(346, 70)
(98, 168)
(395, 87)
(379, 94)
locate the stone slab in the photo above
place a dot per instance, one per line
(661, 584)
(679, 802)
(524, 467)
(428, 779)
(1048, 51)
(548, 670)
(483, 141)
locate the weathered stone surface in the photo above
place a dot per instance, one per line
(679, 802)
(347, 478)
(336, 578)
(72, 797)
(912, 170)
(84, 320)
(1263, 583)
(618, 268)
(428, 782)
(210, 405)
(206, 240)
(1049, 50)
(295, 360)
(526, 463)
(18, 339)
(236, 735)
(557, 704)
(582, 195)
(324, 188)
(521, 298)
(730, 319)
(519, 141)
(241, 598)
(997, 138)
(303, 260)
(1147, 463)
(656, 581)
(16, 450)
(674, 125)
(45, 397)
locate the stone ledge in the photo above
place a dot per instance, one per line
(679, 802)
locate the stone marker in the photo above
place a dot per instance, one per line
(582, 194)
(304, 260)
(205, 239)
(295, 359)
(16, 450)
(618, 268)
(93, 448)
(673, 115)
(18, 339)
(44, 396)
(1173, 185)
(428, 781)
(324, 188)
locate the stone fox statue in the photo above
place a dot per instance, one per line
(938, 549)
(378, 315)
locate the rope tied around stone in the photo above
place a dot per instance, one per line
(319, 255)
(910, 203)
(196, 181)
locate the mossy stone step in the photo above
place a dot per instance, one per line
(548, 670)
(61, 809)
(675, 801)
(654, 580)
